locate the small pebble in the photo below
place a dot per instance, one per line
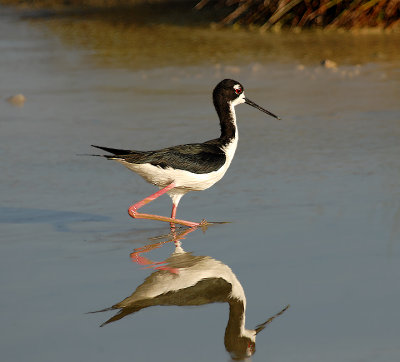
(17, 100)
(330, 64)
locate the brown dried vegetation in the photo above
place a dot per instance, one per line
(311, 13)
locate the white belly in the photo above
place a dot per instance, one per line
(185, 181)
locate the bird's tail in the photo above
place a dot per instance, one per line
(101, 310)
(114, 151)
(123, 312)
(92, 154)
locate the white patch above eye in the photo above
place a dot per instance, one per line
(238, 89)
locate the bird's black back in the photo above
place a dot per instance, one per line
(195, 157)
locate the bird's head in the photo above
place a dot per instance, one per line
(232, 91)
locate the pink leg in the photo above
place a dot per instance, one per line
(173, 212)
(136, 215)
(173, 216)
(136, 255)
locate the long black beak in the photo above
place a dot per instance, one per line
(251, 103)
(261, 326)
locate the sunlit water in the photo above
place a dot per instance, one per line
(313, 199)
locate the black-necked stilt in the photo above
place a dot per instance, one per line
(184, 279)
(179, 169)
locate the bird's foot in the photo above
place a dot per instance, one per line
(203, 225)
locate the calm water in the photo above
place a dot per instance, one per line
(313, 200)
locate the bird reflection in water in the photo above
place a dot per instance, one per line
(184, 279)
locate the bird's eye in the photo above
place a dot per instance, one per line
(238, 90)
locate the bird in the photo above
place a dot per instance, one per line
(184, 279)
(180, 169)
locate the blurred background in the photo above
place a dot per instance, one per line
(313, 200)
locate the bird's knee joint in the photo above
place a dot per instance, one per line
(132, 211)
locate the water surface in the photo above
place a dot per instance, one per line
(313, 199)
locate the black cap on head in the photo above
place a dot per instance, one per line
(229, 90)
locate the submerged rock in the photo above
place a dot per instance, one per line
(17, 100)
(330, 64)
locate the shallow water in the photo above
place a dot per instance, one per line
(313, 199)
